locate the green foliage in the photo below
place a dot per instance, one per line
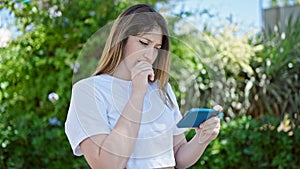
(217, 67)
(247, 74)
(37, 64)
(275, 86)
(214, 67)
(277, 3)
(248, 143)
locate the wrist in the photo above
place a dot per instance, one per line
(138, 95)
(202, 139)
(136, 101)
(203, 142)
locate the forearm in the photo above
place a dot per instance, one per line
(190, 152)
(118, 146)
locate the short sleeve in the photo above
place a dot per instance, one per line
(86, 116)
(177, 114)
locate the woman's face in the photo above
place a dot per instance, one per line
(143, 47)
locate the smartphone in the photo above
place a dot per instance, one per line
(195, 116)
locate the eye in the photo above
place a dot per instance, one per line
(158, 47)
(144, 42)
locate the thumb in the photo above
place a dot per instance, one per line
(151, 77)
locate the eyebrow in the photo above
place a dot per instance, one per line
(150, 40)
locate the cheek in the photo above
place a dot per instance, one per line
(132, 50)
(155, 53)
(132, 54)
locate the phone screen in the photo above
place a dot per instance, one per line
(195, 116)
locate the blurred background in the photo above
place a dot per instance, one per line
(244, 55)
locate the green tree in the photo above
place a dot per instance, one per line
(36, 78)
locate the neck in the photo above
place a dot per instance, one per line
(122, 72)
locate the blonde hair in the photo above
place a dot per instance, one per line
(138, 19)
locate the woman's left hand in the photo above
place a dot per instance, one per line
(209, 130)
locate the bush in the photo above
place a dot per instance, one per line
(36, 78)
(39, 64)
(275, 85)
(248, 143)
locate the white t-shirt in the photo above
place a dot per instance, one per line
(96, 105)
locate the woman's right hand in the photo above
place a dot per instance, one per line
(139, 76)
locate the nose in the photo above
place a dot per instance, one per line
(150, 54)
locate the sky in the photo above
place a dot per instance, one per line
(246, 13)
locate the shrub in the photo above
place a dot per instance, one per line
(38, 65)
(248, 143)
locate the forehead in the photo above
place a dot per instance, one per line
(154, 35)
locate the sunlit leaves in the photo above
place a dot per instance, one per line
(36, 71)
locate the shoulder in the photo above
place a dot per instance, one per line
(168, 86)
(93, 82)
(156, 85)
(169, 89)
(85, 81)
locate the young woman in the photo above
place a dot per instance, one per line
(125, 115)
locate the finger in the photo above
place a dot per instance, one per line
(210, 130)
(212, 120)
(209, 121)
(210, 125)
(218, 108)
(142, 62)
(136, 71)
(149, 73)
(145, 66)
(204, 137)
(143, 74)
(141, 67)
(151, 76)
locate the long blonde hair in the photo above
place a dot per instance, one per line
(138, 19)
